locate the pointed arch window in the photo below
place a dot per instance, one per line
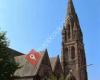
(66, 54)
(65, 36)
(72, 52)
(68, 31)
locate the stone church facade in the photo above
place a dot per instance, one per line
(73, 61)
(73, 53)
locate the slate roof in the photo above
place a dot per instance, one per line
(14, 52)
(53, 61)
(27, 69)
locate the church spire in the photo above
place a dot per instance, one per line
(73, 54)
(70, 9)
(71, 30)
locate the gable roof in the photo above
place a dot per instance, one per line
(53, 61)
(14, 53)
(27, 69)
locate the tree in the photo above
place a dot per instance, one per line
(62, 77)
(52, 77)
(7, 63)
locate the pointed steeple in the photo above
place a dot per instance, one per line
(71, 14)
(70, 9)
(71, 30)
(72, 46)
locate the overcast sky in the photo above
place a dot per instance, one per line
(36, 24)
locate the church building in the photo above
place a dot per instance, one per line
(71, 64)
(73, 58)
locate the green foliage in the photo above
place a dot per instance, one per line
(61, 77)
(52, 77)
(7, 64)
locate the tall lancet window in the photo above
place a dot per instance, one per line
(72, 52)
(66, 54)
(68, 31)
(65, 36)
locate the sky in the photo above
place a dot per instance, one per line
(36, 24)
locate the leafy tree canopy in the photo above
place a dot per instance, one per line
(7, 64)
